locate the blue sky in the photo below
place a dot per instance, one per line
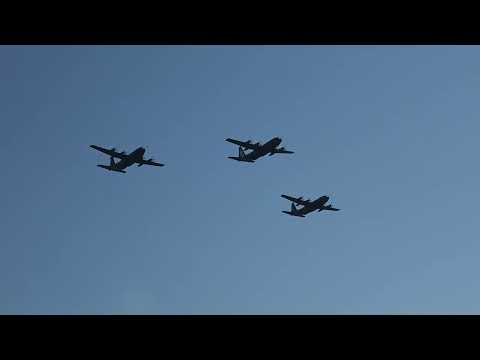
(389, 132)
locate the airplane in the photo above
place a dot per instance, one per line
(258, 150)
(126, 160)
(308, 205)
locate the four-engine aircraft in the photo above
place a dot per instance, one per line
(126, 160)
(308, 205)
(258, 150)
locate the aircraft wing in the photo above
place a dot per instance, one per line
(331, 208)
(282, 151)
(299, 201)
(246, 145)
(149, 162)
(110, 152)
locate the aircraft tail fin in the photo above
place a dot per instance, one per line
(293, 208)
(241, 156)
(293, 211)
(241, 153)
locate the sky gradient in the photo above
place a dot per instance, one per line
(389, 132)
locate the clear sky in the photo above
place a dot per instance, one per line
(389, 132)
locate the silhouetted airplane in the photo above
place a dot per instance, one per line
(258, 150)
(126, 160)
(308, 205)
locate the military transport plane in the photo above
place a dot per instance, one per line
(126, 160)
(258, 150)
(308, 205)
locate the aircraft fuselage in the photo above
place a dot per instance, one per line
(266, 148)
(130, 159)
(315, 205)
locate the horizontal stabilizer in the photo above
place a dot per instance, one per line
(292, 214)
(111, 169)
(240, 159)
